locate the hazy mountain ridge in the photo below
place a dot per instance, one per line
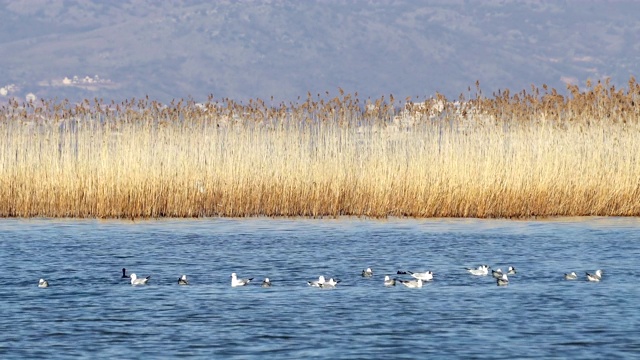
(258, 49)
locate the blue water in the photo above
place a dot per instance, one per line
(90, 312)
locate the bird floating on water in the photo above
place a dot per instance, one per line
(135, 280)
(571, 276)
(412, 283)
(482, 270)
(43, 283)
(317, 283)
(367, 272)
(183, 280)
(596, 277)
(497, 273)
(424, 276)
(389, 281)
(266, 283)
(503, 280)
(235, 282)
(329, 284)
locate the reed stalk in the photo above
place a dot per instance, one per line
(518, 155)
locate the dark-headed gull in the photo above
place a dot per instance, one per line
(496, 273)
(182, 280)
(239, 282)
(139, 281)
(367, 272)
(503, 280)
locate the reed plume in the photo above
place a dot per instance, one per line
(525, 154)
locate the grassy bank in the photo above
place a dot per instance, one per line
(533, 153)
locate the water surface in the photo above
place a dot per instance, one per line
(89, 311)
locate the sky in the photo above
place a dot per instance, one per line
(282, 50)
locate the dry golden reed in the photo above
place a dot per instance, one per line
(528, 154)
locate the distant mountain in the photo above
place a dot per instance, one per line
(258, 49)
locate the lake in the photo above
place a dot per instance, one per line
(89, 311)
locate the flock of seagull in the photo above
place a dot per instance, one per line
(419, 278)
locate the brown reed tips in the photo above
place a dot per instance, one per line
(531, 153)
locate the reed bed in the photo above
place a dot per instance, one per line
(535, 153)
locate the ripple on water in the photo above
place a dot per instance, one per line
(89, 310)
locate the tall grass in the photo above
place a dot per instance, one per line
(528, 154)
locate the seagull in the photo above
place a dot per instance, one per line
(329, 284)
(424, 276)
(412, 283)
(266, 283)
(139, 281)
(512, 270)
(367, 272)
(239, 282)
(183, 280)
(317, 283)
(497, 273)
(389, 281)
(595, 277)
(43, 283)
(482, 270)
(503, 280)
(571, 276)
(124, 273)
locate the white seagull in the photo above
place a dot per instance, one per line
(424, 276)
(571, 276)
(512, 270)
(389, 281)
(139, 281)
(412, 283)
(266, 283)
(482, 270)
(235, 282)
(183, 280)
(597, 276)
(318, 282)
(43, 283)
(329, 284)
(367, 272)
